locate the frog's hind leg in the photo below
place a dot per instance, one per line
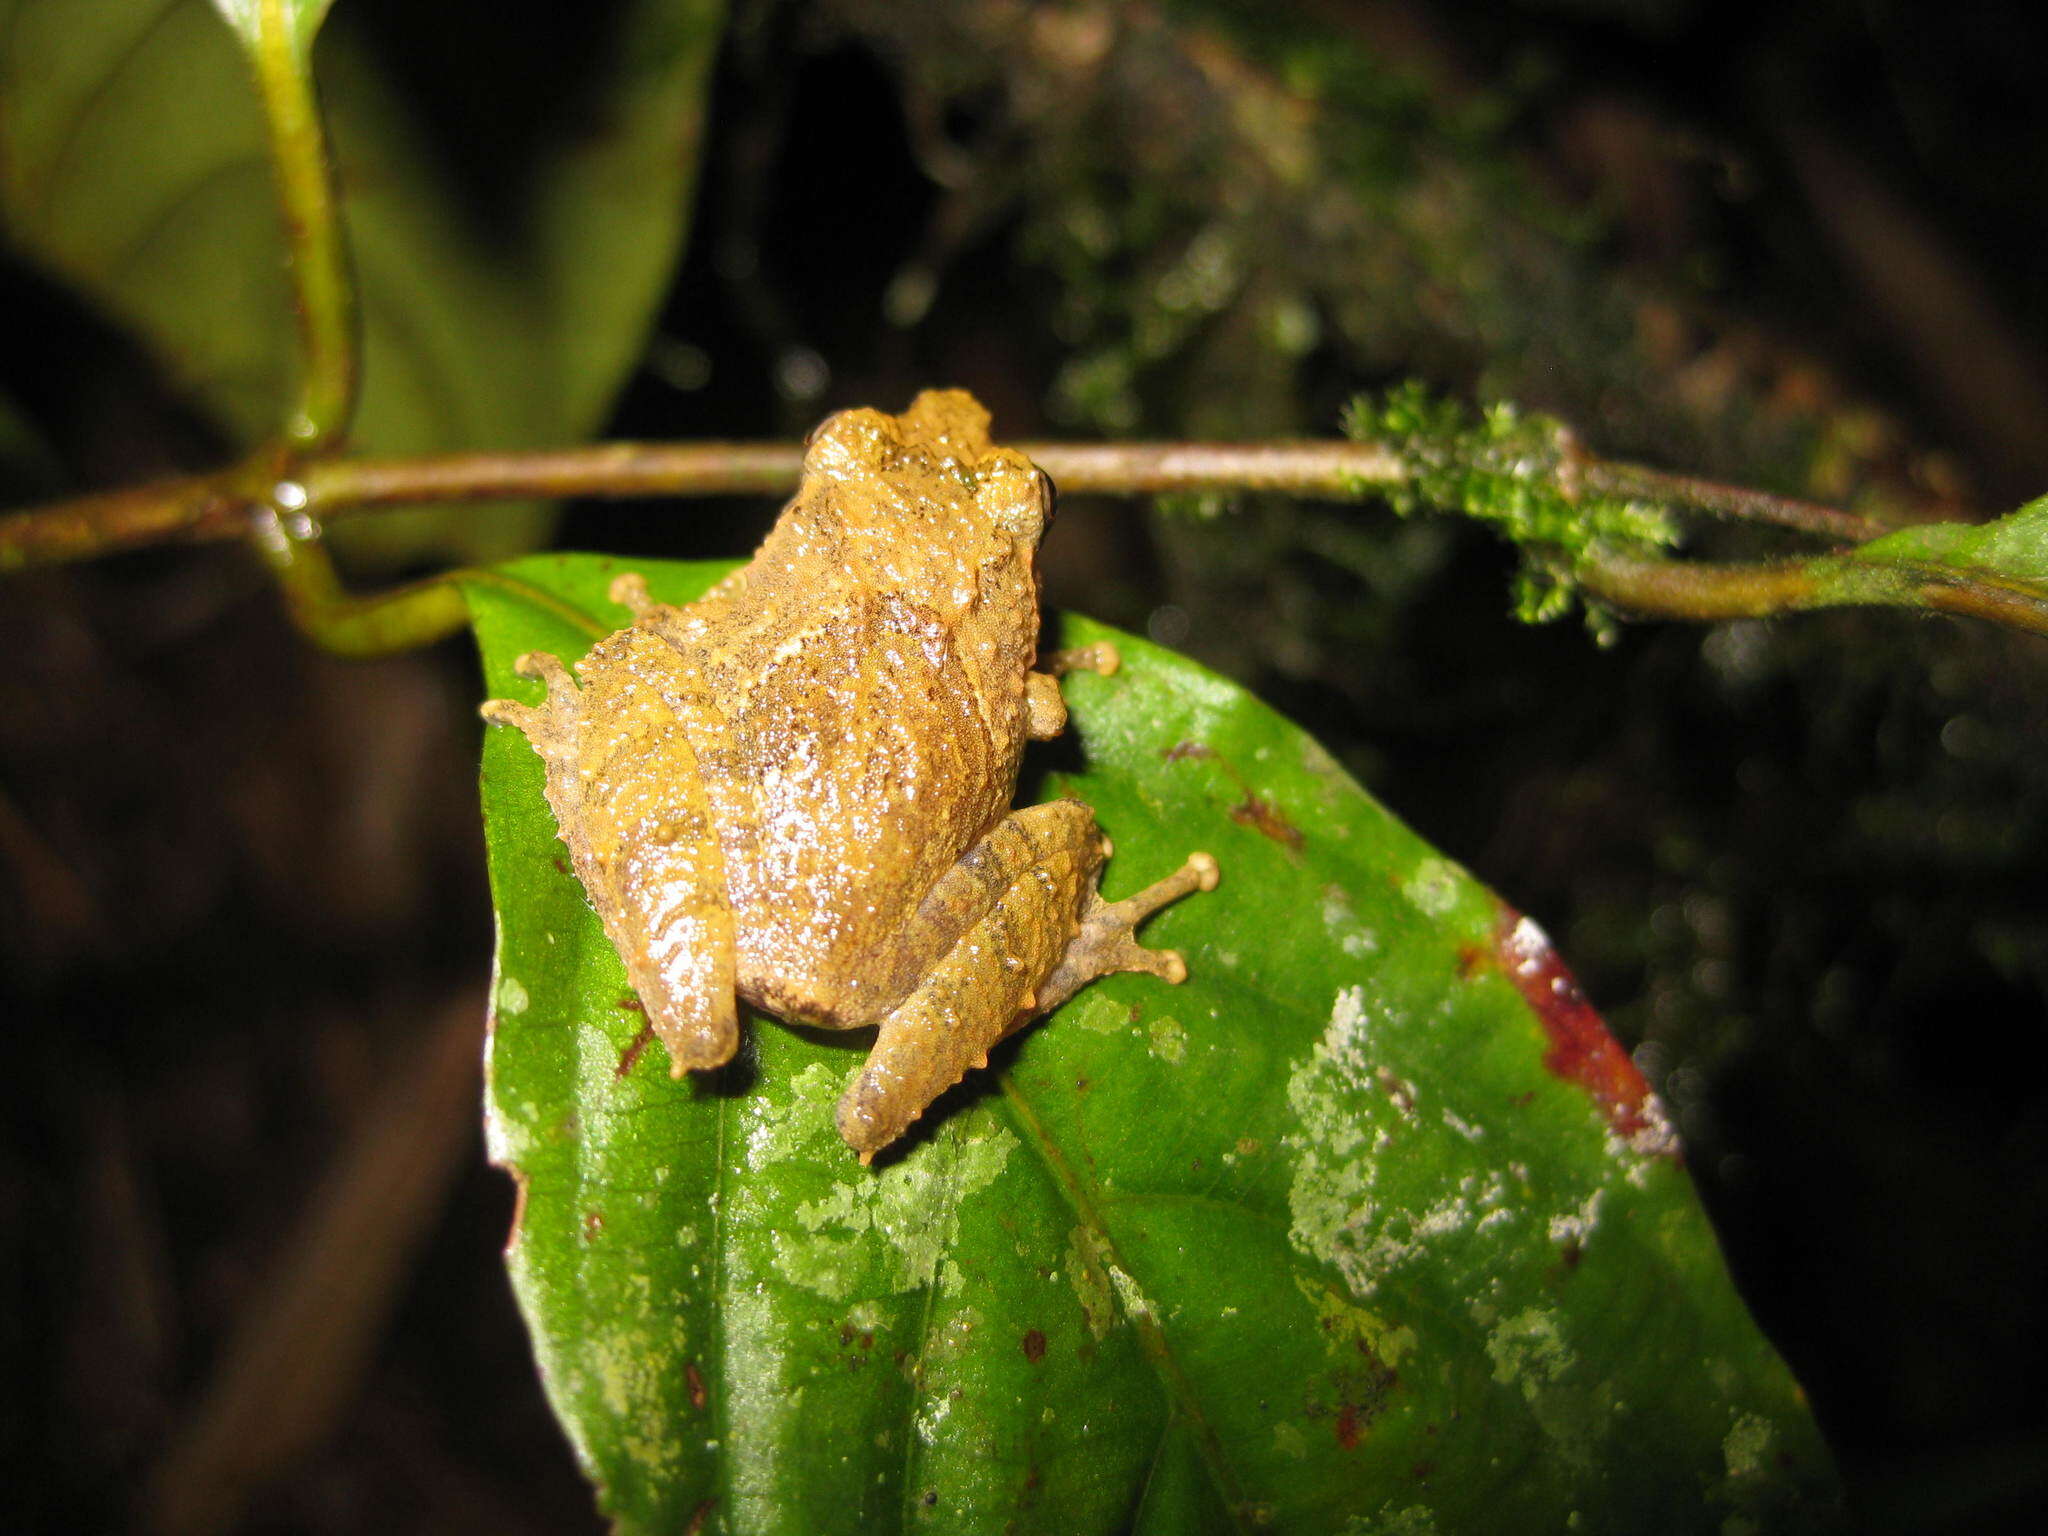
(1106, 940)
(645, 843)
(1027, 929)
(630, 803)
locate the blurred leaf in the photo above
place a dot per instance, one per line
(301, 18)
(1369, 1222)
(2014, 546)
(27, 467)
(133, 165)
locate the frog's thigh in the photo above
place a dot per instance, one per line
(1038, 933)
(647, 849)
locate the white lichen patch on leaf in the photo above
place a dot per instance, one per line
(628, 1373)
(1086, 1274)
(931, 1417)
(880, 1232)
(1355, 1202)
(1135, 1303)
(1530, 1356)
(1653, 1140)
(1340, 922)
(1384, 1186)
(1409, 1520)
(1334, 1171)
(1348, 1328)
(1289, 1441)
(754, 1390)
(1432, 888)
(1579, 1225)
(1463, 1127)
(1202, 701)
(1098, 1013)
(1747, 1447)
(1528, 1352)
(803, 1131)
(1168, 1039)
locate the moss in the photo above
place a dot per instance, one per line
(1514, 472)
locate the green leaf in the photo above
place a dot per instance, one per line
(133, 166)
(2014, 546)
(300, 19)
(1369, 1222)
(27, 466)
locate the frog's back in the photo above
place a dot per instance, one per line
(861, 757)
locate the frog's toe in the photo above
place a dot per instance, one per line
(511, 712)
(629, 590)
(546, 667)
(1105, 939)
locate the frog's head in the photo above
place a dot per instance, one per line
(928, 487)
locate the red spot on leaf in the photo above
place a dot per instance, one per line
(1348, 1426)
(1264, 818)
(1254, 810)
(1034, 1346)
(695, 1378)
(1581, 1050)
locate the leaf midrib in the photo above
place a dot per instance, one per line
(1151, 1331)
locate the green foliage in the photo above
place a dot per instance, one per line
(134, 168)
(2014, 546)
(1512, 472)
(1368, 1226)
(26, 465)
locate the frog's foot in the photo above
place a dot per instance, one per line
(1106, 940)
(981, 990)
(562, 693)
(1045, 712)
(629, 590)
(935, 1036)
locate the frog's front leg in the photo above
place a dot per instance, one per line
(1045, 712)
(1044, 934)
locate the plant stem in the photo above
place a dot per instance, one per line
(285, 504)
(1705, 592)
(379, 624)
(341, 487)
(338, 487)
(1339, 470)
(315, 251)
(1731, 501)
(196, 509)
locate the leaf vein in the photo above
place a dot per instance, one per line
(1151, 1331)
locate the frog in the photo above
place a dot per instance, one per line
(797, 791)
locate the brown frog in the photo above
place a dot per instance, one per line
(796, 790)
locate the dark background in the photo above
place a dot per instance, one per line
(1799, 865)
